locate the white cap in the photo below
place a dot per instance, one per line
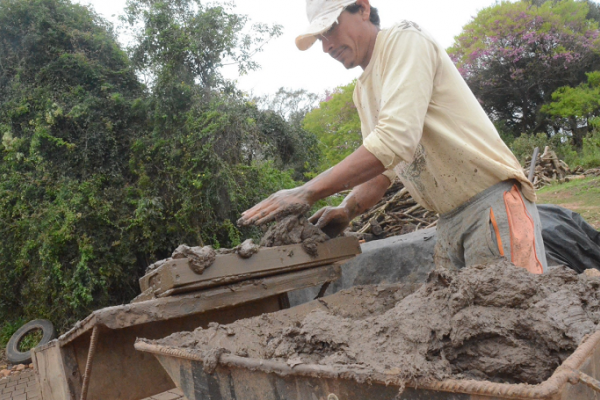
(322, 14)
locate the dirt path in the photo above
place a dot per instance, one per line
(581, 196)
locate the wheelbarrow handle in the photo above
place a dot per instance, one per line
(589, 381)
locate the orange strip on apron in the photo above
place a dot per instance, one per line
(522, 234)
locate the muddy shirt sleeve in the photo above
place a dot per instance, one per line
(408, 65)
(391, 175)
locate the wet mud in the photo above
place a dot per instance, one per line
(247, 249)
(199, 258)
(496, 323)
(294, 229)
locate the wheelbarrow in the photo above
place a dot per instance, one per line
(231, 377)
(96, 359)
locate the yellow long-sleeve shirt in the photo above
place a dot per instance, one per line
(421, 120)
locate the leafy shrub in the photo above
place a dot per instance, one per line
(68, 115)
(336, 125)
(588, 157)
(8, 328)
(523, 146)
(99, 175)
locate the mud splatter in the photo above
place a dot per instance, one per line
(247, 249)
(199, 258)
(495, 322)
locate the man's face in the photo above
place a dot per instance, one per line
(347, 41)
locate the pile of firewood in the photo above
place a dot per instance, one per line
(548, 169)
(591, 172)
(396, 214)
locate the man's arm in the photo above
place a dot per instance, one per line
(356, 169)
(359, 167)
(408, 72)
(408, 78)
(334, 220)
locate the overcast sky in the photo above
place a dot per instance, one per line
(283, 65)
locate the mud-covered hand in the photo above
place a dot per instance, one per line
(278, 205)
(332, 220)
(356, 169)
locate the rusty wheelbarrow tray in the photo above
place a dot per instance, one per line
(96, 359)
(239, 378)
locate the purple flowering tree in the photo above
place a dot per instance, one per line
(515, 55)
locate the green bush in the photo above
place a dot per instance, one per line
(523, 146)
(29, 341)
(100, 176)
(588, 157)
(336, 124)
(7, 329)
(69, 111)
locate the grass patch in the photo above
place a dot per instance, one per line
(31, 340)
(8, 329)
(581, 196)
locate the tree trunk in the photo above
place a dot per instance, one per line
(578, 133)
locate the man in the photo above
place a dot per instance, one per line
(420, 121)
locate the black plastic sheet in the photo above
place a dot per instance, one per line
(568, 239)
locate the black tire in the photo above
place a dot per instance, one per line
(12, 348)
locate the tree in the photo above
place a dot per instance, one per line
(69, 111)
(209, 153)
(189, 41)
(594, 8)
(66, 87)
(289, 103)
(594, 12)
(577, 109)
(337, 126)
(100, 175)
(285, 113)
(515, 55)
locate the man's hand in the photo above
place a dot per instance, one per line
(332, 220)
(278, 205)
(359, 167)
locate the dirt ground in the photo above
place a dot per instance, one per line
(495, 322)
(581, 196)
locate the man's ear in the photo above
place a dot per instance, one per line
(365, 9)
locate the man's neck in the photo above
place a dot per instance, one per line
(372, 36)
